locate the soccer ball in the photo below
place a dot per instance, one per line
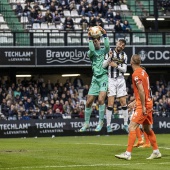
(95, 32)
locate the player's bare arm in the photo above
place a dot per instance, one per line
(142, 96)
(131, 105)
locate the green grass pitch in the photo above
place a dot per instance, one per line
(79, 153)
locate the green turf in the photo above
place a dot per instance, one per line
(79, 153)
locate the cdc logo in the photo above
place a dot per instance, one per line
(115, 126)
(154, 55)
(142, 54)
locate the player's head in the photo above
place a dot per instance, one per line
(135, 60)
(120, 45)
(96, 43)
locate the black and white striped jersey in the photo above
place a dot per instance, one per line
(122, 66)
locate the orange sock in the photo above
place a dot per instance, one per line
(138, 134)
(152, 139)
(131, 140)
(146, 138)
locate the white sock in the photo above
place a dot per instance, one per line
(125, 116)
(128, 153)
(108, 116)
(156, 151)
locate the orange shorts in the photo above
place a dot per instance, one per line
(139, 118)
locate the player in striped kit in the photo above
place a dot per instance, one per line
(117, 66)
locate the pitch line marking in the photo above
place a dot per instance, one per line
(77, 166)
(166, 148)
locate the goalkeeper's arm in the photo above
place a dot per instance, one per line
(91, 48)
(106, 40)
(106, 43)
(91, 45)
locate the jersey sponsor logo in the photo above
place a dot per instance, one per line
(118, 58)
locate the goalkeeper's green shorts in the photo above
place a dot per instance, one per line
(98, 84)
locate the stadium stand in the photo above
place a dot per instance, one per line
(17, 30)
(12, 25)
(24, 23)
(30, 99)
(141, 7)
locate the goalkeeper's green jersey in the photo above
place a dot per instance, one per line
(97, 57)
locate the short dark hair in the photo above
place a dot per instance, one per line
(122, 40)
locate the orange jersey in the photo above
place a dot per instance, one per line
(141, 76)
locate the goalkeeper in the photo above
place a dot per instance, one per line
(117, 66)
(99, 83)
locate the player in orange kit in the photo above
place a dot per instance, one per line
(143, 111)
(140, 133)
(142, 142)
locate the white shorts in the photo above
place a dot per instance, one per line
(117, 87)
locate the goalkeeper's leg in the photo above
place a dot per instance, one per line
(101, 100)
(88, 111)
(87, 119)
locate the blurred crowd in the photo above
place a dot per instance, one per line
(161, 98)
(91, 12)
(36, 99)
(164, 5)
